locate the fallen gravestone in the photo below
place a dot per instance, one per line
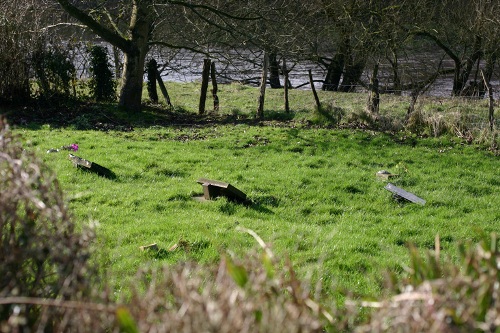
(399, 193)
(91, 166)
(215, 188)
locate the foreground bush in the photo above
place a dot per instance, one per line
(443, 297)
(249, 296)
(43, 257)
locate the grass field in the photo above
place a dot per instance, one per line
(315, 195)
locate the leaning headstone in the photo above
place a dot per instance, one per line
(215, 188)
(400, 193)
(91, 166)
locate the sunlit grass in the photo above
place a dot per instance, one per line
(315, 196)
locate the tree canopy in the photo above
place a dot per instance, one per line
(347, 38)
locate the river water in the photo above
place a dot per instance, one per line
(246, 68)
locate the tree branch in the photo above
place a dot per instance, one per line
(178, 47)
(83, 26)
(214, 10)
(113, 24)
(439, 43)
(108, 35)
(59, 303)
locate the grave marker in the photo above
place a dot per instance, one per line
(400, 193)
(91, 166)
(215, 188)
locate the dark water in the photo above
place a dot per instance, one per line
(246, 68)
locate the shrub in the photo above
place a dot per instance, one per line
(54, 70)
(102, 85)
(42, 255)
(246, 296)
(440, 296)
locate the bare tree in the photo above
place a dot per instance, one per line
(463, 30)
(190, 25)
(133, 43)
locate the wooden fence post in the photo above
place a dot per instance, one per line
(285, 72)
(316, 98)
(263, 83)
(163, 89)
(205, 76)
(214, 86)
(151, 70)
(491, 109)
(374, 95)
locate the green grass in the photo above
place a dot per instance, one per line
(241, 99)
(315, 193)
(316, 197)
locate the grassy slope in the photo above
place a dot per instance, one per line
(316, 195)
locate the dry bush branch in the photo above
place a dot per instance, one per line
(443, 297)
(42, 254)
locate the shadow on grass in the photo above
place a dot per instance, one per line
(190, 247)
(260, 208)
(229, 207)
(108, 174)
(81, 115)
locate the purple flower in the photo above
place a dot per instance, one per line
(74, 146)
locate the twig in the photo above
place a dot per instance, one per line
(258, 239)
(59, 303)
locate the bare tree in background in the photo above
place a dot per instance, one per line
(152, 22)
(465, 32)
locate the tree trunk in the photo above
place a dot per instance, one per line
(135, 56)
(352, 75)
(132, 80)
(413, 101)
(334, 73)
(274, 72)
(118, 62)
(263, 82)
(466, 69)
